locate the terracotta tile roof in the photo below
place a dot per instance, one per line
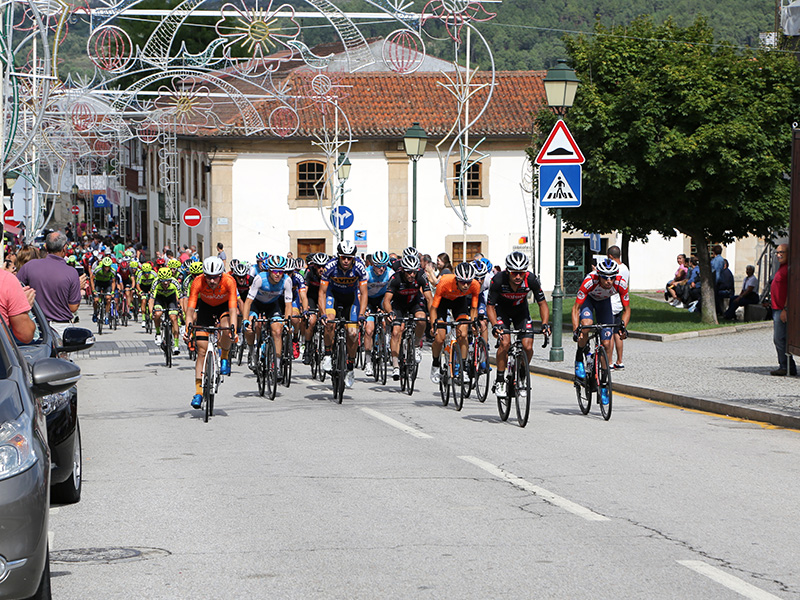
(384, 105)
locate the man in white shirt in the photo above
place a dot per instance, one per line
(615, 254)
(748, 295)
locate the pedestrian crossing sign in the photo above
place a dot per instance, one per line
(560, 186)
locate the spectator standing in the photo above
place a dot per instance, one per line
(748, 295)
(725, 288)
(778, 290)
(221, 254)
(15, 302)
(615, 254)
(58, 285)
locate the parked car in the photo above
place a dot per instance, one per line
(60, 409)
(25, 467)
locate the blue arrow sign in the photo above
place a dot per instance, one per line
(560, 185)
(342, 217)
(594, 242)
(100, 200)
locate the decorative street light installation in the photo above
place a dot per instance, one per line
(560, 86)
(415, 141)
(343, 173)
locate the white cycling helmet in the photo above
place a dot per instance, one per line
(213, 266)
(517, 261)
(608, 268)
(346, 248)
(465, 272)
(410, 263)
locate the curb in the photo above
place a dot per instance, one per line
(686, 335)
(730, 409)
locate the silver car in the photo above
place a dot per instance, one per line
(25, 467)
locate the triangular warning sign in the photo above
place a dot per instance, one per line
(560, 148)
(559, 191)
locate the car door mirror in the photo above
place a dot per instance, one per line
(53, 375)
(75, 339)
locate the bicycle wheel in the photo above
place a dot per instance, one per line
(261, 363)
(604, 392)
(208, 385)
(287, 356)
(166, 343)
(240, 351)
(444, 378)
(148, 323)
(482, 370)
(522, 391)
(360, 361)
(340, 368)
(504, 404)
(101, 315)
(457, 378)
(271, 369)
(320, 349)
(411, 363)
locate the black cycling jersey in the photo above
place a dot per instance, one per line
(405, 292)
(313, 279)
(502, 296)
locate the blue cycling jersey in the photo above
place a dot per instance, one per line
(267, 292)
(298, 283)
(341, 281)
(376, 285)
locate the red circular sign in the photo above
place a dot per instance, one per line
(8, 219)
(75, 209)
(192, 217)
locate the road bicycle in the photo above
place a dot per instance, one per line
(317, 350)
(265, 359)
(166, 338)
(406, 356)
(451, 375)
(100, 298)
(135, 304)
(211, 375)
(477, 366)
(597, 371)
(124, 308)
(339, 357)
(518, 378)
(237, 350)
(380, 349)
(287, 354)
(361, 353)
(113, 312)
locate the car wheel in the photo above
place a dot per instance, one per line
(69, 491)
(43, 592)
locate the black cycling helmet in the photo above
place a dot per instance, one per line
(320, 259)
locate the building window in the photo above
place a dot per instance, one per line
(457, 255)
(473, 181)
(310, 180)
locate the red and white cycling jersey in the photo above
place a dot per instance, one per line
(591, 288)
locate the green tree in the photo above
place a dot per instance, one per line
(681, 134)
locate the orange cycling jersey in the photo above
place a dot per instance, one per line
(225, 290)
(448, 289)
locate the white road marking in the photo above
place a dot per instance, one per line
(389, 421)
(544, 494)
(729, 581)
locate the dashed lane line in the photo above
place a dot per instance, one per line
(397, 424)
(735, 584)
(542, 493)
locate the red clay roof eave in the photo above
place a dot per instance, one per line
(525, 135)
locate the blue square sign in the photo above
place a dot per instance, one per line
(560, 185)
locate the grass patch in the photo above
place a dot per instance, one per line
(648, 316)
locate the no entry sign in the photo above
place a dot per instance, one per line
(75, 209)
(192, 217)
(8, 219)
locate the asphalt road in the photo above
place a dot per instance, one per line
(391, 496)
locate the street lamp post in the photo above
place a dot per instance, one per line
(75, 189)
(343, 173)
(415, 141)
(560, 86)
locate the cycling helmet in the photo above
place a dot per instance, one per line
(410, 263)
(196, 268)
(277, 263)
(147, 267)
(299, 264)
(239, 269)
(135, 264)
(380, 258)
(410, 251)
(161, 262)
(261, 256)
(320, 259)
(608, 268)
(174, 263)
(465, 272)
(517, 261)
(213, 266)
(124, 265)
(480, 269)
(346, 248)
(72, 260)
(106, 262)
(234, 262)
(164, 273)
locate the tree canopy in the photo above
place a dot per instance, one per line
(681, 134)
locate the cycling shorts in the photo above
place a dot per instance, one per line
(401, 310)
(516, 319)
(341, 305)
(102, 287)
(169, 303)
(602, 314)
(207, 315)
(458, 307)
(374, 305)
(270, 310)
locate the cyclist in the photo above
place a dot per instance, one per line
(241, 275)
(165, 296)
(299, 302)
(457, 293)
(212, 297)
(507, 308)
(378, 277)
(408, 293)
(343, 290)
(313, 278)
(127, 282)
(484, 278)
(194, 269)
(144, 283)
(270, 297)
(104, 280)
(594, 296)
(260, 266)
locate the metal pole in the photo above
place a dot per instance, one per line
(414, 207)
(341, 203)
(556, 351)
